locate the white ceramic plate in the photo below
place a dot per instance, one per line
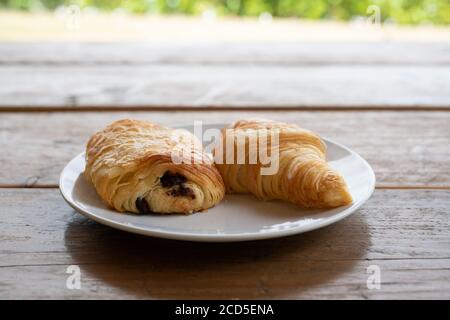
(236, 218)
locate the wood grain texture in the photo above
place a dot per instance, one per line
(50, 53)
(242, 86)
(406, 149)
(404, 232)
(401, 230)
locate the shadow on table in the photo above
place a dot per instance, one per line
(145, 267)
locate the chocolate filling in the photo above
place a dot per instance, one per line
(170, 179)
(142, 206)
(176, 181)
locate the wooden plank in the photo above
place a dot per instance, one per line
(408, 149)
(408, 279)
(403, 232)
(242, 86)
(51, 53)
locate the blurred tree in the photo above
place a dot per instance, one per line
(400, 11)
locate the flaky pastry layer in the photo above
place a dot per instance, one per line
(303, 176)
(130, 165)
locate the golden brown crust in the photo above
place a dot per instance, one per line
(126, 161)
(303, 175)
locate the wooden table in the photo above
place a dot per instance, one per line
(390, 102)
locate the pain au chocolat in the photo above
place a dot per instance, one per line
(131, 166)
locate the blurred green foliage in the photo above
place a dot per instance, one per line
(399, 11)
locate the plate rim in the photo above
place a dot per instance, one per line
(238, 237)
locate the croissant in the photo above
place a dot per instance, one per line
(130, 163)
(303, 176)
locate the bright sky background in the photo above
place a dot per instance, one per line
(98, 27)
